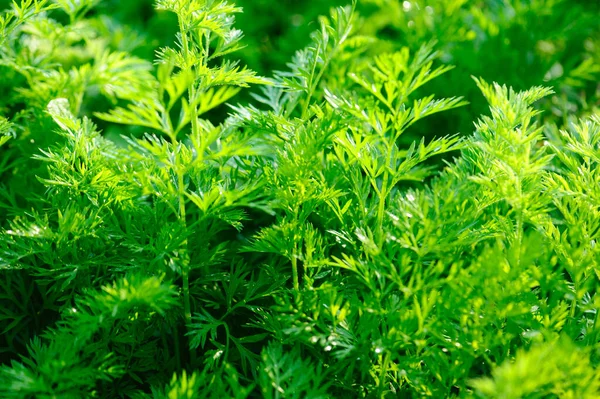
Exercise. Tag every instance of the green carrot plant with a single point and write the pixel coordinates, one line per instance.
(303, 245)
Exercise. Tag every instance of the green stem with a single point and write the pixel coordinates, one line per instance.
(295, 268)
(519, 222)
(295, 253)
(311, 83)
(314, 80)
(382, 375)
(381, 208)
(183, 251)
(385, 190)
(185, 259)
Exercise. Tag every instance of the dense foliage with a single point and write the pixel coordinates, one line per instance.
(365, 216)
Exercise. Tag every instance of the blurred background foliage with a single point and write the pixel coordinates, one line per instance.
(520, 43)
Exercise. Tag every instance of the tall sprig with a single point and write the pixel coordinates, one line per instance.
(206, 33)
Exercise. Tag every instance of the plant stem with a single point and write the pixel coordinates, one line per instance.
(183, 251)
(381, 207)
(382, 375)
(519, 221)
(184, 257)
(385, 190)
(295, 254)
(295, 268)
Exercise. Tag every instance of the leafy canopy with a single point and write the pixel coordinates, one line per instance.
(182, 227)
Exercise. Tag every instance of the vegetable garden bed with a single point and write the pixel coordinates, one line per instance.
(366, 215)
